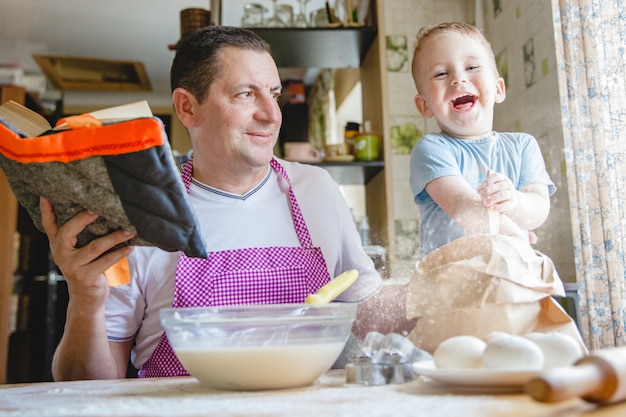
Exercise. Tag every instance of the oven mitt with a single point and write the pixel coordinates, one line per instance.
(123, 171)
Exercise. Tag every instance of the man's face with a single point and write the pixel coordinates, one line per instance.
(458, 85)
(240, 118)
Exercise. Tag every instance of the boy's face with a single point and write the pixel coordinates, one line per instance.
(458, 85)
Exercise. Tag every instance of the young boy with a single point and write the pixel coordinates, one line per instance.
(466, 171)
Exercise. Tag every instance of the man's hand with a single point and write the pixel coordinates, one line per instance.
(83, 268)
(84, 351)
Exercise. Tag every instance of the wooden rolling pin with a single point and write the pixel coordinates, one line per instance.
(599, 377)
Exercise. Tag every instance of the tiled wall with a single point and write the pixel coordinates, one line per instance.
(522, 37)
(522, 31)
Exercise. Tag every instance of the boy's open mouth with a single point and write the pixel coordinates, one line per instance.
(464, 102)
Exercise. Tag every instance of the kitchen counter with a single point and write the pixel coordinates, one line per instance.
(328, 396)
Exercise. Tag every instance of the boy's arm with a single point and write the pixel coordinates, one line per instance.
(464, 205)
(533, 206)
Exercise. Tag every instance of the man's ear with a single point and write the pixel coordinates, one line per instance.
(185, 105)
(500, 90)
(422, 106)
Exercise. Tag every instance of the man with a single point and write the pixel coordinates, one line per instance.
(275, 231)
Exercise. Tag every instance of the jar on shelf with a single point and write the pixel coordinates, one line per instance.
(366, 144)
(350, 133)
(253, 15)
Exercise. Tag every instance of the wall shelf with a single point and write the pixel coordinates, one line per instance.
(319, 47)
(353, 173)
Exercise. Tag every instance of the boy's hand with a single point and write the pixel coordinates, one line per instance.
(498, 193)
(528, 207)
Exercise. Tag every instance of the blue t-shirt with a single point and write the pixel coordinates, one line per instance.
(516, 155)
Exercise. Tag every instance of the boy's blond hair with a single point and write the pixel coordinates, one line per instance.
(465, 29)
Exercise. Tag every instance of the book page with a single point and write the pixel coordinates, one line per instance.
(28, 122)
(123, 112)
(118, 113)
(32, 124)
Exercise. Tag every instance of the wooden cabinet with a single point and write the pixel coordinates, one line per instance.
(347, 48)
(379, 192)
(8, 226)
(29, 292)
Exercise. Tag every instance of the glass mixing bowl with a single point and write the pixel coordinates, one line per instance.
(253, 347)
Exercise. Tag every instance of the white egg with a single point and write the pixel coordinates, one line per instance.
(459, 352)
(559, 349)
(511, 352)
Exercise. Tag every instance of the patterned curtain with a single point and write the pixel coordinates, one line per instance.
(591, 60)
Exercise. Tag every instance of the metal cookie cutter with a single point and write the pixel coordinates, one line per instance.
(388, 359)
(363, 371)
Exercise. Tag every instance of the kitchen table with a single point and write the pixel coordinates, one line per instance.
(328, 396)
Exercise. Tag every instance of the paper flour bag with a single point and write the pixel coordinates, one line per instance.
(484, 283)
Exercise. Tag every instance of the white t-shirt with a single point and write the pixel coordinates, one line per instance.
(261, 218)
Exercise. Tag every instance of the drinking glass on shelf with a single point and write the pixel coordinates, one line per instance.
(300, 21)
(285, 13)
(274, 21)
(253, 15)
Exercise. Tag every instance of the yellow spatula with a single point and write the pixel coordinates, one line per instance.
(330, 291)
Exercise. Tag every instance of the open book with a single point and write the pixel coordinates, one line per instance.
(32, 124)
(115, 162)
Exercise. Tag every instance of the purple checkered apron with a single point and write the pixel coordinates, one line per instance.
(274, 275)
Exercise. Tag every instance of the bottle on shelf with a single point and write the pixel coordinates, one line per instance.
(364, 231)
(350, 133)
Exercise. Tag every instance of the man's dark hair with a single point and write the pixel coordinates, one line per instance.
(197, 61)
